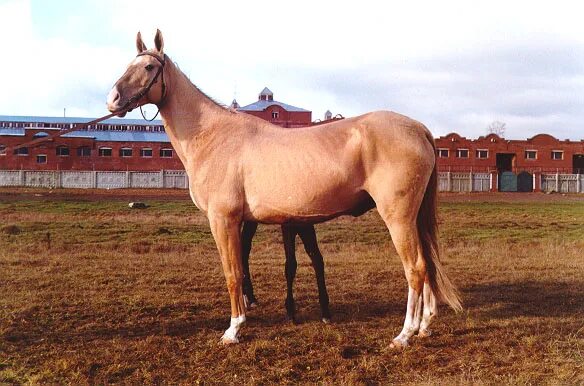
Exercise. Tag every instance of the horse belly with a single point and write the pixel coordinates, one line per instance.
(305, 206)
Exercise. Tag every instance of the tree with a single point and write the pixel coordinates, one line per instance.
(497, 127)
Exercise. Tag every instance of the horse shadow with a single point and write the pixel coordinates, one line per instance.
(524, 298)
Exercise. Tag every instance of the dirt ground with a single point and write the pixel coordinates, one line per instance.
(93, 292)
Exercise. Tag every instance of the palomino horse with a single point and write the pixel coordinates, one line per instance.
(308, 236)
(242, 168)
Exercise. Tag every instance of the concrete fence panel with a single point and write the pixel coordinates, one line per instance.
(77, 179)
(11, 178)
(111, 180)
(144, 179)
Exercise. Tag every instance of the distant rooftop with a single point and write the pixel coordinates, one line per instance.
(67, 120)
(112, 136)
(265, 100)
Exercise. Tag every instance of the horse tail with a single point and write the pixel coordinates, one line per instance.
(427, 224)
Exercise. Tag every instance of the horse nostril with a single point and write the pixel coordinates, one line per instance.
(113, 97)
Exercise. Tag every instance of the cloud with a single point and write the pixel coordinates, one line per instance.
(454, 65)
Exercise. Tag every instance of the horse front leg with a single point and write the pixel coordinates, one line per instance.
(249, 230)
(226, 231)
(308, 236)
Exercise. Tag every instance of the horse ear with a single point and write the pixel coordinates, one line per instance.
(140, 46)
(159, 41)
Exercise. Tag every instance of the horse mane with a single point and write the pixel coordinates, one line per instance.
(215, 102)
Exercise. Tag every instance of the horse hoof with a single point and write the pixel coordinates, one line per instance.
(326, 320)
(250, 302)
(398, 344)
(424, 333)
(225, 341)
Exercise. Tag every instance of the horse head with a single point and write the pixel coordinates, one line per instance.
(143, 81)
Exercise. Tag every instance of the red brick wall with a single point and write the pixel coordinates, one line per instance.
(285, 118)
(543, 144)
(10, 161)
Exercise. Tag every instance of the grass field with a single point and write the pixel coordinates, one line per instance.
(94, 292)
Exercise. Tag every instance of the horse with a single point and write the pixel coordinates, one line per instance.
(242, 168)
(289, 232)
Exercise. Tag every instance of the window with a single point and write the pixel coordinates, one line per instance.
(530, 154)
(166, 153)
(41, 159)
(2, 149)
(146, 152)
(443, 153)
(40, 134)
(557, 154)
(462, 153)
(21, 151)
(62, 151)
(274, 115)
(125, 152)
(83, 151)
(482, 153)
(105, 151)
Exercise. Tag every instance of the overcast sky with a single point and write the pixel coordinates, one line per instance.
(453, 65)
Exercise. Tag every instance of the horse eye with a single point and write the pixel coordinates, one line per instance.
(149, 67)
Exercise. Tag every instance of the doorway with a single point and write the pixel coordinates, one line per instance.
(578, 164)
(507, 180)
(505, 162)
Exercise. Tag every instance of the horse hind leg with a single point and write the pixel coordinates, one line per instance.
(308, 236)
(429, 312)
(291, 265)
(247, 234)
(405, 238)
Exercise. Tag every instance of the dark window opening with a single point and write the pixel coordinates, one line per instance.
(83, 151)
(62, 151)
(166, 153)
(125, 152)
(462, 153)
(105, 151)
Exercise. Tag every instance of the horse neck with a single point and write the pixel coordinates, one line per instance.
(186, 112)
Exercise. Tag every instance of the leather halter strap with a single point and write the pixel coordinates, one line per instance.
(160, 73)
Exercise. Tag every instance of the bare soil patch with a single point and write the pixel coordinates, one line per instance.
(115, 295)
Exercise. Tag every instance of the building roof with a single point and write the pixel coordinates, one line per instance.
(101, 136)
(266, 91)
(110, 121)
(120, 136)
(261, 105)
(18, 132)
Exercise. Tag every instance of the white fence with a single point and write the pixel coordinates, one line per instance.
(177, 179)
(482, 182)
(94, 179)
(562, 183)
(464, 182)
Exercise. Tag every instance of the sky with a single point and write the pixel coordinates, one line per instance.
(456, 66)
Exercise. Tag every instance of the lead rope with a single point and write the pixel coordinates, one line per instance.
(126, 108)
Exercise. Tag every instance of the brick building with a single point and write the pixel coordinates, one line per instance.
(278, 113)
(133, 144)
(114, 144)
(541, 153)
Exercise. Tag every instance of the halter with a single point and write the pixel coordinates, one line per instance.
(145, 91)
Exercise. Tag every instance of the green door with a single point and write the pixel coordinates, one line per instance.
(525, 182)
(508, 182)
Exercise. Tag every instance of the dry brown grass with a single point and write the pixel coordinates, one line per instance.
(114, 295)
